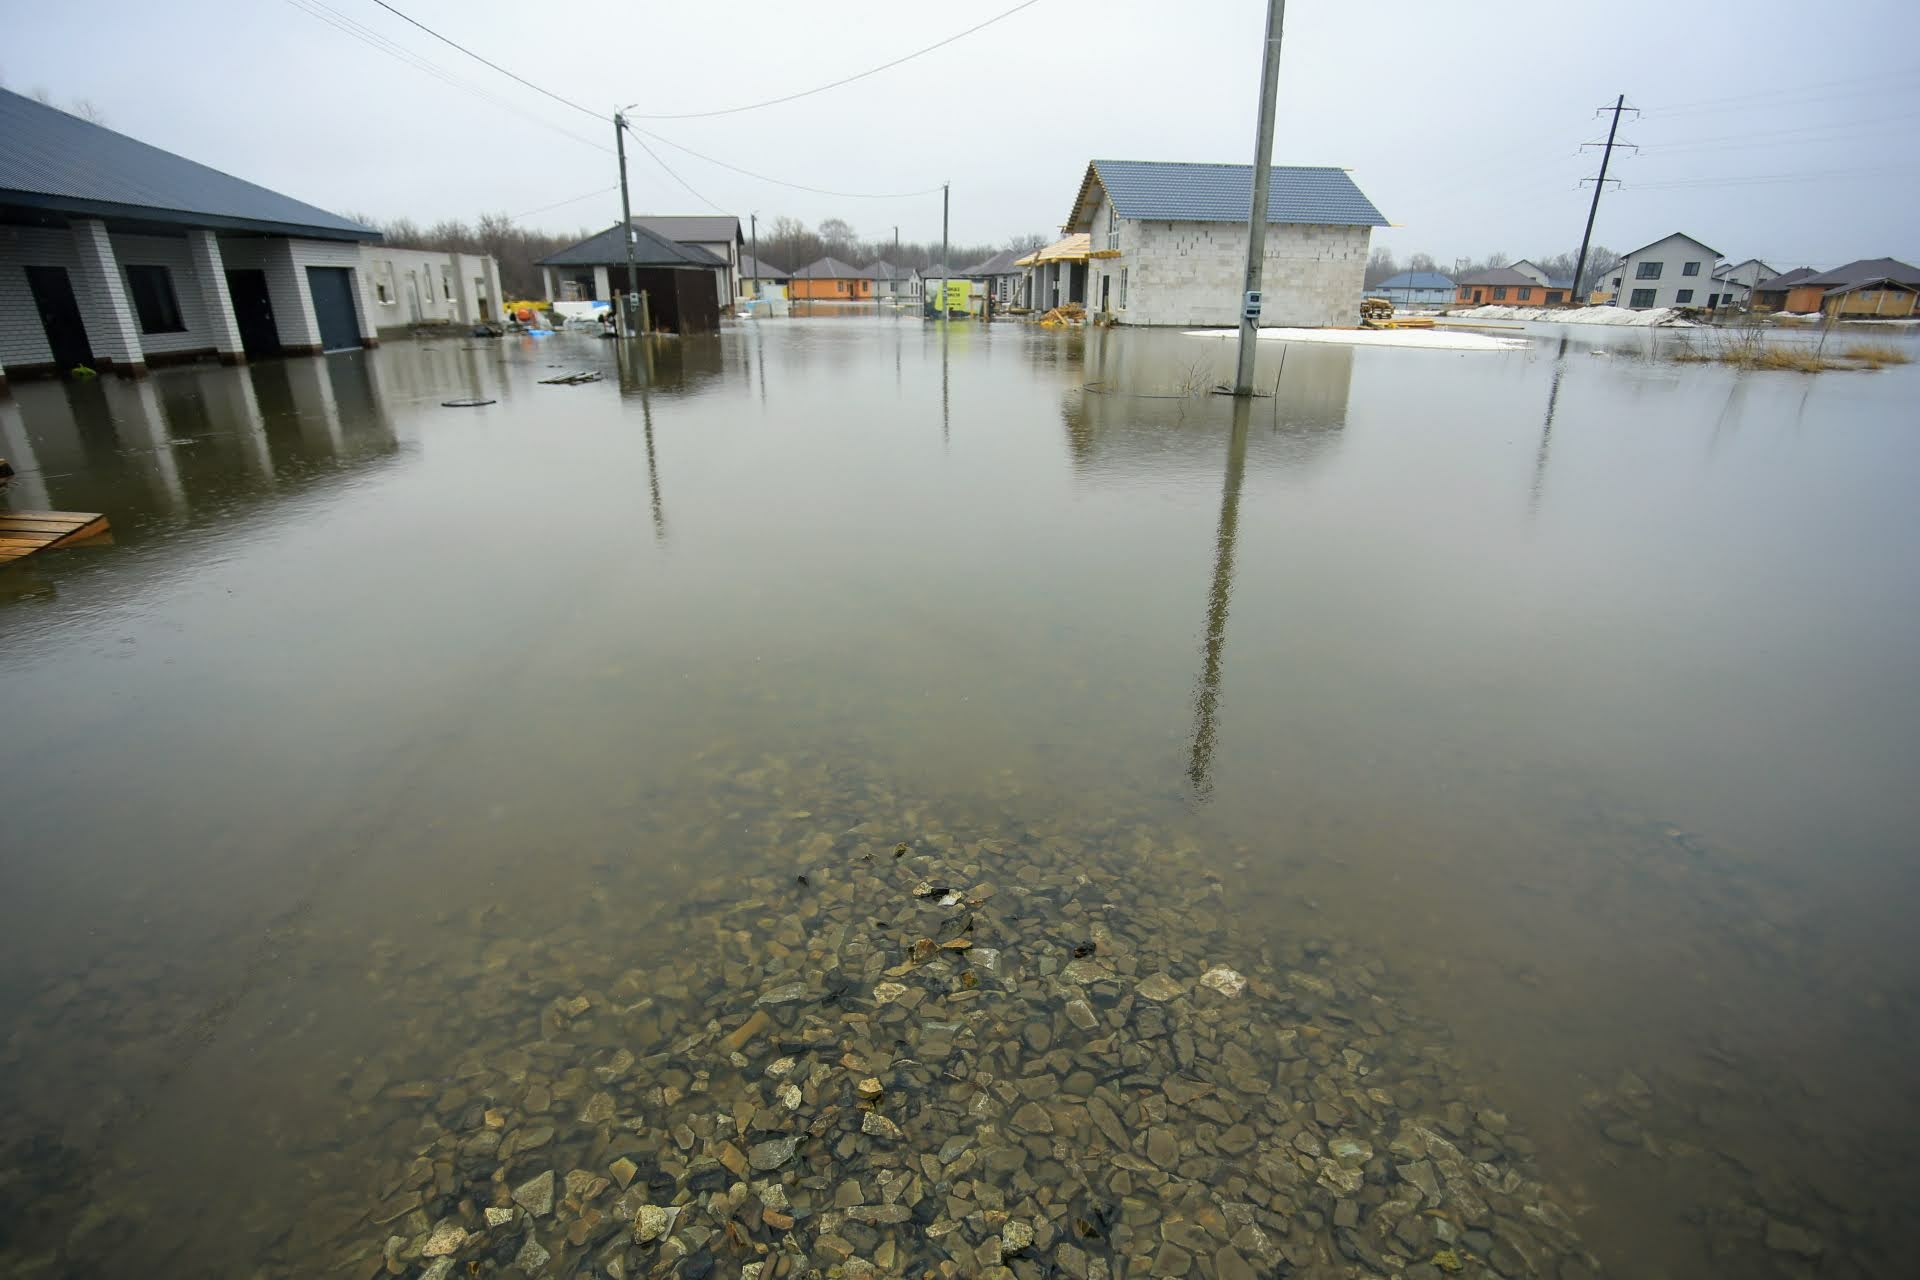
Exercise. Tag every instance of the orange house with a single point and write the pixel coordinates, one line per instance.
(830, 280)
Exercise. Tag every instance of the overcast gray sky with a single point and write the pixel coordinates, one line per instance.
(1790, 128)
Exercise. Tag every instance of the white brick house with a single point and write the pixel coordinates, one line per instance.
(117, 255)
(1673, 271)
(425, 286)
(1169, 243)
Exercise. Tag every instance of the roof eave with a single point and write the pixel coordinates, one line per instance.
(181, 217)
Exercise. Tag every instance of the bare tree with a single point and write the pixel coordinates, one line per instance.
(1380, 265)
(1422, 262)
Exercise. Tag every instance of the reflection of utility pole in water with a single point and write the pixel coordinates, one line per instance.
(638, 377)
(944, 423)
(1546, 431)
(1206, 694)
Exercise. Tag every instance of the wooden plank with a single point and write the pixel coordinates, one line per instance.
(24, 532)
(92, 529)
(67, 517)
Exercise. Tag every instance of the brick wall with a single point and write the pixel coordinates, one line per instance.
(177, 258)
(23, 341)
(1191, 273)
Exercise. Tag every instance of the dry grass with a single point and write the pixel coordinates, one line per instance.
(1749, 349)
(1875, 355)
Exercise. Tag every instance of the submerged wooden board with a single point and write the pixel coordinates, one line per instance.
(24, 532)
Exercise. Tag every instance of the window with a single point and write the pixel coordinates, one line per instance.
(1123, 288)
(1641, 298)
(1500, 293)
(1648, 271)
(1683, 297)
(1113, 227)
(840, 285)
(1526, 293)
(1554, 295)
(1689, 268)
(446, 286)
(154, 300)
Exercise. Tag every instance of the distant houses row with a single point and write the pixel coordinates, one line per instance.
(1678, 271)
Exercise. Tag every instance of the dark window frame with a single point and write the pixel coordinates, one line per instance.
(1642, 297)
(1499, 293)
(1648, 270)
(155, 303)
(1689, 268)
(1525, 294)
(1683, 298)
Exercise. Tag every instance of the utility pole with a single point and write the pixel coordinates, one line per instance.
(943, 252)
(753, 220)
(1257, 212)
(1599, 184)
(626, 223)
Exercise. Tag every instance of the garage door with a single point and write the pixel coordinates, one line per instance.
(332, 289)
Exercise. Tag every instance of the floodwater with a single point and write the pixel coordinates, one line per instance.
(1571, 693)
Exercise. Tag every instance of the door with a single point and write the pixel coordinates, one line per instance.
(1477, 295)
(1105, 281)
(332, 289)
(253, 312)
(60, 316)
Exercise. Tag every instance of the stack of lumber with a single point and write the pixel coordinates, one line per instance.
(1070, 314)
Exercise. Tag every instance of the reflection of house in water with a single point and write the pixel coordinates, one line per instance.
(1146, 404)
(195, 444)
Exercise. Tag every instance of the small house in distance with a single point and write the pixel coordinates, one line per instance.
(1000, 275)
(677, 279)
(830, 280)
(719, 235)
(1870, 288)
(1505, 286)
(1415, 289)
(1733, 284)
(757, 277)
(1169, 242)
(1673, 271)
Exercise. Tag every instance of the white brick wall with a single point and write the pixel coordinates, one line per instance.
(1191, 273)
(1672, 254)
(417, 282)
(23, 341)
(112, 330)
(177, 258)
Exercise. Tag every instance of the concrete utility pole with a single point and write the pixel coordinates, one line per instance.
(753, 220)
(1257, 214)
(943, 252)
(1599, 185)
(626, 223)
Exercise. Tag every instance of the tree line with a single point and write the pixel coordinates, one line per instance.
(788, 243)
(1559, 266)
(517, 249)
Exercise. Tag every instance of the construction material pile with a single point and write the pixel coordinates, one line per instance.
(1061, 317)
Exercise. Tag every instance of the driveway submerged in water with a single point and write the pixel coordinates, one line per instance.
(416, 802)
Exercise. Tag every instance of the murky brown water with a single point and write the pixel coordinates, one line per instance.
(1555, 711)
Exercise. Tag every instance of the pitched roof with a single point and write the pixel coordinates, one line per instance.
(51, 160)
(1000, 264)
(1670, 235)
(881, 270)
(1498, 275)
(828, 269)
(751, 268)
(1181, 192)
(1877, 282)
(1867, 269)
(1786, 281)
(1416, 280)
(695, 228)
(650, 249)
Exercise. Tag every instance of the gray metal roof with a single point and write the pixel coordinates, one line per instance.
(650, 249)
(754, 268)
(1669, 236)
(1499, 275)
(61, 163)
(829, 269)
(1867, 269)
(1781, 283)
(1416, 280)
(881, 270)
(696, 228)
(1000, 264)
(1178, 192)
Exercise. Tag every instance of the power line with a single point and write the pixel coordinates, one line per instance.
(562, 203)
(655, 156)
(322, 12)
(565, 102)
(779, 182)
(807, 93)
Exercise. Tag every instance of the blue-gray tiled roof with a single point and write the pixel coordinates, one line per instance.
(51, 160)
(650, 249)
(1416, 280)
(1174, 192)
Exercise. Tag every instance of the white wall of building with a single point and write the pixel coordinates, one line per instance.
(1191, 273)
(1658, 275)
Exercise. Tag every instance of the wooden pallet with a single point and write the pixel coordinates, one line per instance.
(24, 532)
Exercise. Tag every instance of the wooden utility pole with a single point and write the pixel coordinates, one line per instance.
(943, 251)
(626, 223)
(753, 220)
(1257, 212)
(1599, 185)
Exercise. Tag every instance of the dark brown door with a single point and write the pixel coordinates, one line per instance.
(253, 312)
(60, 316)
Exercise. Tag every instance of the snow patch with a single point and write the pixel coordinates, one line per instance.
(1663, 317)
(1423, 339)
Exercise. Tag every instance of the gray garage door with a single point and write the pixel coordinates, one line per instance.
(332, 289)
